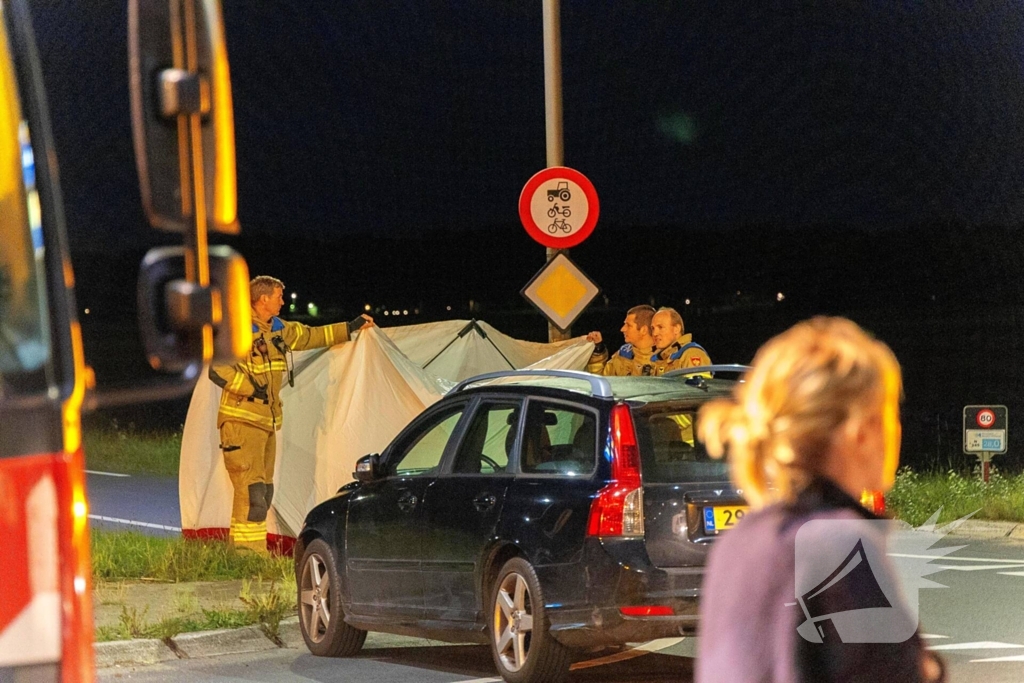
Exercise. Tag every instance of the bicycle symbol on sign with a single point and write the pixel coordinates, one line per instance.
(559, 224)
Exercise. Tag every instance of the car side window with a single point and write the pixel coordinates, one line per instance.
(558, 439)
(489, 440)
(423, 454)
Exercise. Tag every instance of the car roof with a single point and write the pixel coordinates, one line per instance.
(639, 389)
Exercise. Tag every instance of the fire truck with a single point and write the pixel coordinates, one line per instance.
(193, 306)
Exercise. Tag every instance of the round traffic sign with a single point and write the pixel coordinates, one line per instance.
(985, 418)
(558, 207)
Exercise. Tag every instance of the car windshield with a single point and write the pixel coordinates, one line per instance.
(668, 451)
(24, 344)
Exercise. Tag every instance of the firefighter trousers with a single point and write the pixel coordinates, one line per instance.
(249, 454)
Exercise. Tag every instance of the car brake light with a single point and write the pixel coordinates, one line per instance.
(618, 508)
(647, 611)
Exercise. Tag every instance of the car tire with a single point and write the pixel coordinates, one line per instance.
(523, 648)
(321, 618)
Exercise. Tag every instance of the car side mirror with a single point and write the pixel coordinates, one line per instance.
(367, 468)
(173, 312)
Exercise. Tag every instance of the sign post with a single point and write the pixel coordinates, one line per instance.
(985, 434)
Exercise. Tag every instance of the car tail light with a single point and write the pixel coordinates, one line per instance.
(618, 508)
(873, 501)
(647, 611)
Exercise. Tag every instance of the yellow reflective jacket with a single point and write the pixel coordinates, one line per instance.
(682, 353)
(252, 388)
(628, 360)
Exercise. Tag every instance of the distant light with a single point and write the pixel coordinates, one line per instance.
(449, 308)
(738, 292)
(780, 296)
(395, 312)
(687, 302)
(292, 308)
(387, 313)
(87, 311)
(309, 305)
(416, 311)
(366, 307)
(313, 310)
(405, 312)
(294, 295)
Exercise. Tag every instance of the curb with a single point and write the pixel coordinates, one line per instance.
(143, 651)
(982, 529)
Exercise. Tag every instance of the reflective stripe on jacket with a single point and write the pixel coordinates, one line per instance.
(252, 388)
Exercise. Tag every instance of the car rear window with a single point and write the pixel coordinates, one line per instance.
(669, 453)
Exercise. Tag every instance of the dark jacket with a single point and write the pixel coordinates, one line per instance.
(750, 614)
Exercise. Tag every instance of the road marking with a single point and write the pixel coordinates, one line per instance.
(1014, 658)
(978, 568)
(981, 645)
(107, 474)
(132, 522)
(947, 558)
(929, 636)
(632, 653)
(1012, 573)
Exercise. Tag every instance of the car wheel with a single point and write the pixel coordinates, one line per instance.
(523, 648)
(320, 615)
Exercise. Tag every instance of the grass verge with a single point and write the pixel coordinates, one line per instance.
(916, 496)
(114, 448)
(266, 604)
(130, 555)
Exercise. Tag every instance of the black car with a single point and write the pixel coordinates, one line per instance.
(545, 513)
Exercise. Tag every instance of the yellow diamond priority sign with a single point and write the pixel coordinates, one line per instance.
(561, 291)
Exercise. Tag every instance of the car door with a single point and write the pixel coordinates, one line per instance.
(462, 507)
(383, 532)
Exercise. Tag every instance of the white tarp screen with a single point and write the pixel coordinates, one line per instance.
(348, 401)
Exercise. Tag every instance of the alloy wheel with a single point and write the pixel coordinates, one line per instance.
(315, 598)
(513, 621)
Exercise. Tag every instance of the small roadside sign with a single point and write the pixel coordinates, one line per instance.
(561, 291)
(985, 429)
(558, 207)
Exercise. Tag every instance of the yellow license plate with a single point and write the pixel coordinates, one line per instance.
(721, 517)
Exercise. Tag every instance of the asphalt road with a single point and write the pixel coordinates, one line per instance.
(138, 503)
(976, 622)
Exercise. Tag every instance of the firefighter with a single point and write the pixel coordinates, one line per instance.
(251, 410)
(673, 349)
(633, 357)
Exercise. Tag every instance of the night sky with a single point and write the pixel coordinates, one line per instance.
(394, 117)
(866, 159)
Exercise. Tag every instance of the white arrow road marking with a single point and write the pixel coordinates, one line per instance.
(981, 645)
(948, 558)
(631, 653)
(1014, 658)
(107, 474)
(978, 568)
(132, 522)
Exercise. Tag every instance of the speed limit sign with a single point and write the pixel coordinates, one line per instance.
(985, 430)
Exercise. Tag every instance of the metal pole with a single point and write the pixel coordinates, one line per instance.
(553, 109)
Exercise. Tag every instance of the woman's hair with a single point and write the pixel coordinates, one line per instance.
(778, 426)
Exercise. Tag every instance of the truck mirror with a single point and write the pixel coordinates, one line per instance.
(182, 120)
(183, 324)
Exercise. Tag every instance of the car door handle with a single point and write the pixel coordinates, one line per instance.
(484, 502)
(407, 502)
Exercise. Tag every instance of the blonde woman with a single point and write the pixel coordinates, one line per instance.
(815, 423)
